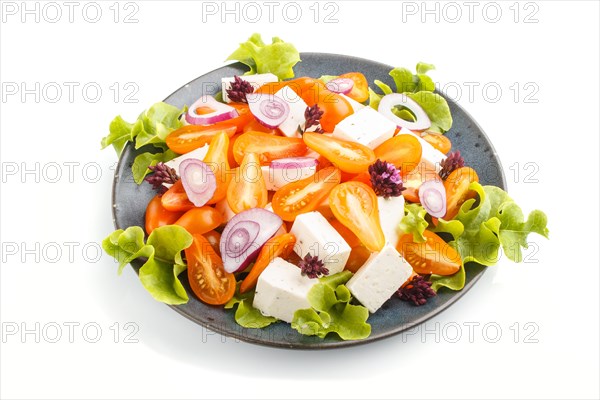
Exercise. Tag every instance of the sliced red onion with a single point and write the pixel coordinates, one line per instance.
(198, 181)
(245, 235)
(433, 197)
(340, 85)
(294, 162)
(269, 110)
(220, 111)
(388, 102)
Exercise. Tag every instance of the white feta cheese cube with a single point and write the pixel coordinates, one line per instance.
(255, 80)
(391, 212)
(276, 178)
(281, 290)
(295, 119)
(430, 154)
(377, 280)
(315, 235)
(366, 126)
(353, 103)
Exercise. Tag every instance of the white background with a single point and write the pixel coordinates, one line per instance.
(557, 53)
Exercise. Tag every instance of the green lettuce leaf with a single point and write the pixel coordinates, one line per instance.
(437, 109)
(414, 221)
(332, 312)
(152, 127)
(277, 58)
(119, 134)
(245, 314)
(145, 160)
(418, 87)
(162, 252)
(482, 226)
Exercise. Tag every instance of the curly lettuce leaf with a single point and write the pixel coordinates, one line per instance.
(418, 87)
(332, 312)
(277, 58)
(163, 263)
(482, 227)
(245, 314)
(145, 160)
(151, 127)
(437, 109)
(414, 221)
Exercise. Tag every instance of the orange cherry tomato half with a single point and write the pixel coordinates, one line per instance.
(175, 199)
(247, 189)
(404, 151)
(438, 141)
(214, 238)
(346, 233)
(200, 220)
(216, 159)
(348, 156)
(457, 189)
(354, 204)
(360, 90)
(256, 126)
(208, 279)
(268, 147)
(434, 256)
(278, 246)
(192, 137)
(304, 195)
(415, 178)
(157, 215)
(358, 257)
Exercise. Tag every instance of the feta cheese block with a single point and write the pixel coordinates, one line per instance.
(315, 235)
(276, 178)
(391, 212)
(379, 278)
(255, 80)
(353, 103)
(295, 119)
(366, 126)
(281, 290)
(430, 154)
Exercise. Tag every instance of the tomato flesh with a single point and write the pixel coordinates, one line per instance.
(354, 204)
(457, 189)
(348, 156)
(217, 159)
(248, 188)
(157, 215)
(360, 90)
(175, 199)
(404, 151)
(434, 256)
(305, 195)
(200, 220)
(192, 137)
(208, 279)
(268, 147)
(438, 141)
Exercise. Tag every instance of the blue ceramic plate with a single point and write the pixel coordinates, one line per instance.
(130, 202)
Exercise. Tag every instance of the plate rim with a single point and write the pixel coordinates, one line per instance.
(136, 264)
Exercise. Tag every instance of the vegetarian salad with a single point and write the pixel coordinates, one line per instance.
(307, 200)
